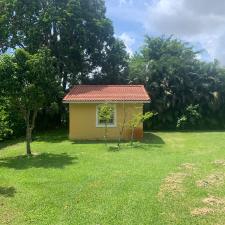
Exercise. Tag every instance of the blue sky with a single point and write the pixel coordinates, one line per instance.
(127, 21)
(200, 22)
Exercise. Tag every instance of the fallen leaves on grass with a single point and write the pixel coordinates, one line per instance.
(213, 180)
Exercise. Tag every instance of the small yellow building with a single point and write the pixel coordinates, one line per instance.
(84, 102)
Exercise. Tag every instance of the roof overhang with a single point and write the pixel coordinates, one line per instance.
(92, 94)
(108, 101)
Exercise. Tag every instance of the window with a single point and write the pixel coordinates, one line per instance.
(101, 122)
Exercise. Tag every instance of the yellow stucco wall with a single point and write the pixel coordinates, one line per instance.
(82, 121)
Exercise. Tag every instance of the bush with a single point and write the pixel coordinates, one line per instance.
(11, 122)
(190, 118)
(4, 124)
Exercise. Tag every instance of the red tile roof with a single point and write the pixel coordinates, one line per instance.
(103, 93)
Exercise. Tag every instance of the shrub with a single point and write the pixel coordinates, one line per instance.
(190, 118)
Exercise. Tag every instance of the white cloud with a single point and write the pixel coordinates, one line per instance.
(196, 21)
(125, 2)
(128, 41)
(200, 21)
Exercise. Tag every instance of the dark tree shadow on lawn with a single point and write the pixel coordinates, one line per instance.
(8, 143)
(75, 142)
(44, 160)
(150, 141)
(150, 138)
(7, 191)
(54, 136)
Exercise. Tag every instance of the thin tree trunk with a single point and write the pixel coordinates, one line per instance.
(28, 133)
(28, 141)
(29, 130)
(132, 136)
(106, 135)
(123, 125)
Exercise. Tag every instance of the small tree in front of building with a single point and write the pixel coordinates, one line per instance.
(105, 114)
(122, 125)
(136, 120)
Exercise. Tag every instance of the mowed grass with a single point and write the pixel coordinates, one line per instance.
(170, 178)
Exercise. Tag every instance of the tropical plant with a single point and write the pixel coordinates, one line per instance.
(175, 78)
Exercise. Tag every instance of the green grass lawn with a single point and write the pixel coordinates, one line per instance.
(170, 178)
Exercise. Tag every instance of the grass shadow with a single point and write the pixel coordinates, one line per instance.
(150, 138)
(150, 141)
(8, 143)
(7, 191)
(44, 160)
(52, 136)
(95, 142)
(55, 136)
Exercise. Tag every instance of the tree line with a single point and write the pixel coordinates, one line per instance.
(187, 93)
(47, 46)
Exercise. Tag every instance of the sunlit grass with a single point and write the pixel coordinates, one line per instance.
(155, 182)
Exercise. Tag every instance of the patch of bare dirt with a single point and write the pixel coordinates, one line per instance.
(6, 217)
(212, 205)
(220, 162)
(202, 211)
(212, 180)
(189, 166)
(214, 201)
(173, 184)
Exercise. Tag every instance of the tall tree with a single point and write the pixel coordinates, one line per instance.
(176, 78)
(76, 31)
(114, 69)
(29, 82)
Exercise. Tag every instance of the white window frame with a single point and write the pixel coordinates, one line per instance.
(114, 114)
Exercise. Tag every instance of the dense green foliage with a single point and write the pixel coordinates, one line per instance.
(76, 31)
(4, 123)
(186, 92)
(177, 79)
(82, 183)
(190, 118)
(12, 123)
(78, 35)
(28, 81)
